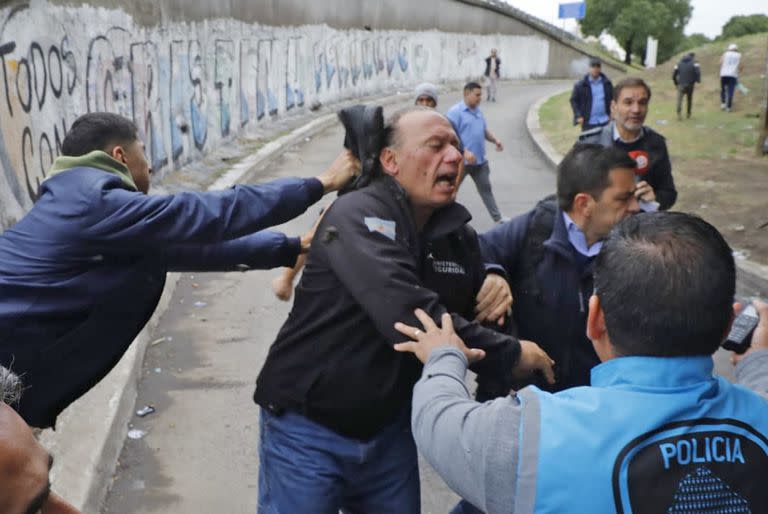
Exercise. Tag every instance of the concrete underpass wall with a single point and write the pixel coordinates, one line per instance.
(194, 74)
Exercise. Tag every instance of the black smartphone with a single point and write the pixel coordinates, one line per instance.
(740, 337)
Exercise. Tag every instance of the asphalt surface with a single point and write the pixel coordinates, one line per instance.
(197, 453)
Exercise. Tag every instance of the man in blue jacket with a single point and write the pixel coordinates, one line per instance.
(656, 431)
(548, 254)
(591, 98)
(82, 272)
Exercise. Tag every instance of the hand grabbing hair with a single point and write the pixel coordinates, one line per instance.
(11, 387)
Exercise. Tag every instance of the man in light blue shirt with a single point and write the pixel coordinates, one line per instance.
(470, 125)
(591, 98)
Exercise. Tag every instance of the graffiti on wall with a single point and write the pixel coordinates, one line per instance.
(189, 86)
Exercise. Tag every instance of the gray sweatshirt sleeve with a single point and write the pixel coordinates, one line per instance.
(473, 446)
(752, 372)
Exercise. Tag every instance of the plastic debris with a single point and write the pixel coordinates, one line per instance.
(159, 340)
(200, 304)
(145, 411)
(662, 122)
(740, 255)
(136, 434)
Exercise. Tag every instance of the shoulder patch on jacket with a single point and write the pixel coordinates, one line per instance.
(387, 228)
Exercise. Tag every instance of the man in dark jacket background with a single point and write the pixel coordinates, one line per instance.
(685, 75)
(655, 185)
(334, 394)
(591, 98)
(82, 272)
(493, 72)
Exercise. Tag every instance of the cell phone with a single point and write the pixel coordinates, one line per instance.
(740, 337)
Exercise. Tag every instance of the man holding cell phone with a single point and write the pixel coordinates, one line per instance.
(655, 185)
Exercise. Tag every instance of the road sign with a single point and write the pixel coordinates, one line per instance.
(573, 10)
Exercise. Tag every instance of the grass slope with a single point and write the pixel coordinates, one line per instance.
(715, 167)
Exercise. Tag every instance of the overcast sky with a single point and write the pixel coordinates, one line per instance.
(708, 17)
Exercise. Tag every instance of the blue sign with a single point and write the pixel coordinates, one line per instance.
(574, 10)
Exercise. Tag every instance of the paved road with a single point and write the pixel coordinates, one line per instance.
(199, 455)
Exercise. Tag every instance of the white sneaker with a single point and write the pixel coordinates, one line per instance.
(722, 107)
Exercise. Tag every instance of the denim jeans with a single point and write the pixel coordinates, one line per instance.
(307, 468)
(727, 87)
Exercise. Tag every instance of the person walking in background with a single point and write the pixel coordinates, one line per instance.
(469, 123)
(492, 66)
(730, 66)
(686, 74)
(591, 98)
(426, 95)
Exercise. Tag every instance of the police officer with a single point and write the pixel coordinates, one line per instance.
(655, 432)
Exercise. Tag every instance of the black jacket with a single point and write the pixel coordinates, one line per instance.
(686, 72)
(551, 284)
(655, 168)
(581, 98)
(333, 360)
(488, 67)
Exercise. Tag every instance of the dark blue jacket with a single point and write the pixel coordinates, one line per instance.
(551, 285)
(581, 98)
(83, 271)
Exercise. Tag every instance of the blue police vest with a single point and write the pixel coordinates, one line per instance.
(653, 435)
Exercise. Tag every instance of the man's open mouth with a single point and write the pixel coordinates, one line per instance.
(448, 177)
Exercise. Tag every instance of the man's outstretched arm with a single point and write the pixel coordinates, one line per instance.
(474, 447)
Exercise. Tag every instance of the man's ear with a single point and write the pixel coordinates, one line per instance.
(118, 153)
(582, 204)
(595, 319)
(388, 160)
(596, 331)
(613, 107)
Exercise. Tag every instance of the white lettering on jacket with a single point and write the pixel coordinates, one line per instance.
(696, 451)
(449, 267)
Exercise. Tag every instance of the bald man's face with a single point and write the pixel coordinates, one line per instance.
(24, 468)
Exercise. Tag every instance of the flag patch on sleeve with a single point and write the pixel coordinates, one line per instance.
(383, 227)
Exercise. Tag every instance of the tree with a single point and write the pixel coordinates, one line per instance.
(632, 21)
(739, 26)
(692, 41)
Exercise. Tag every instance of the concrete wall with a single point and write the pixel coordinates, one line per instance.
(194, 74)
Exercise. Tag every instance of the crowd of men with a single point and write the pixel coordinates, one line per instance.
(590, 321)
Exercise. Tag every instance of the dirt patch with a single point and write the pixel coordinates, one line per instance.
(732, 196)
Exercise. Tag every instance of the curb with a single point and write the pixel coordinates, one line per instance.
(89, 438)
(540, 140)
(753, 273)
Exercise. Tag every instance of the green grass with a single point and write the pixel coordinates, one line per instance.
(714, 162)
(711, 133)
